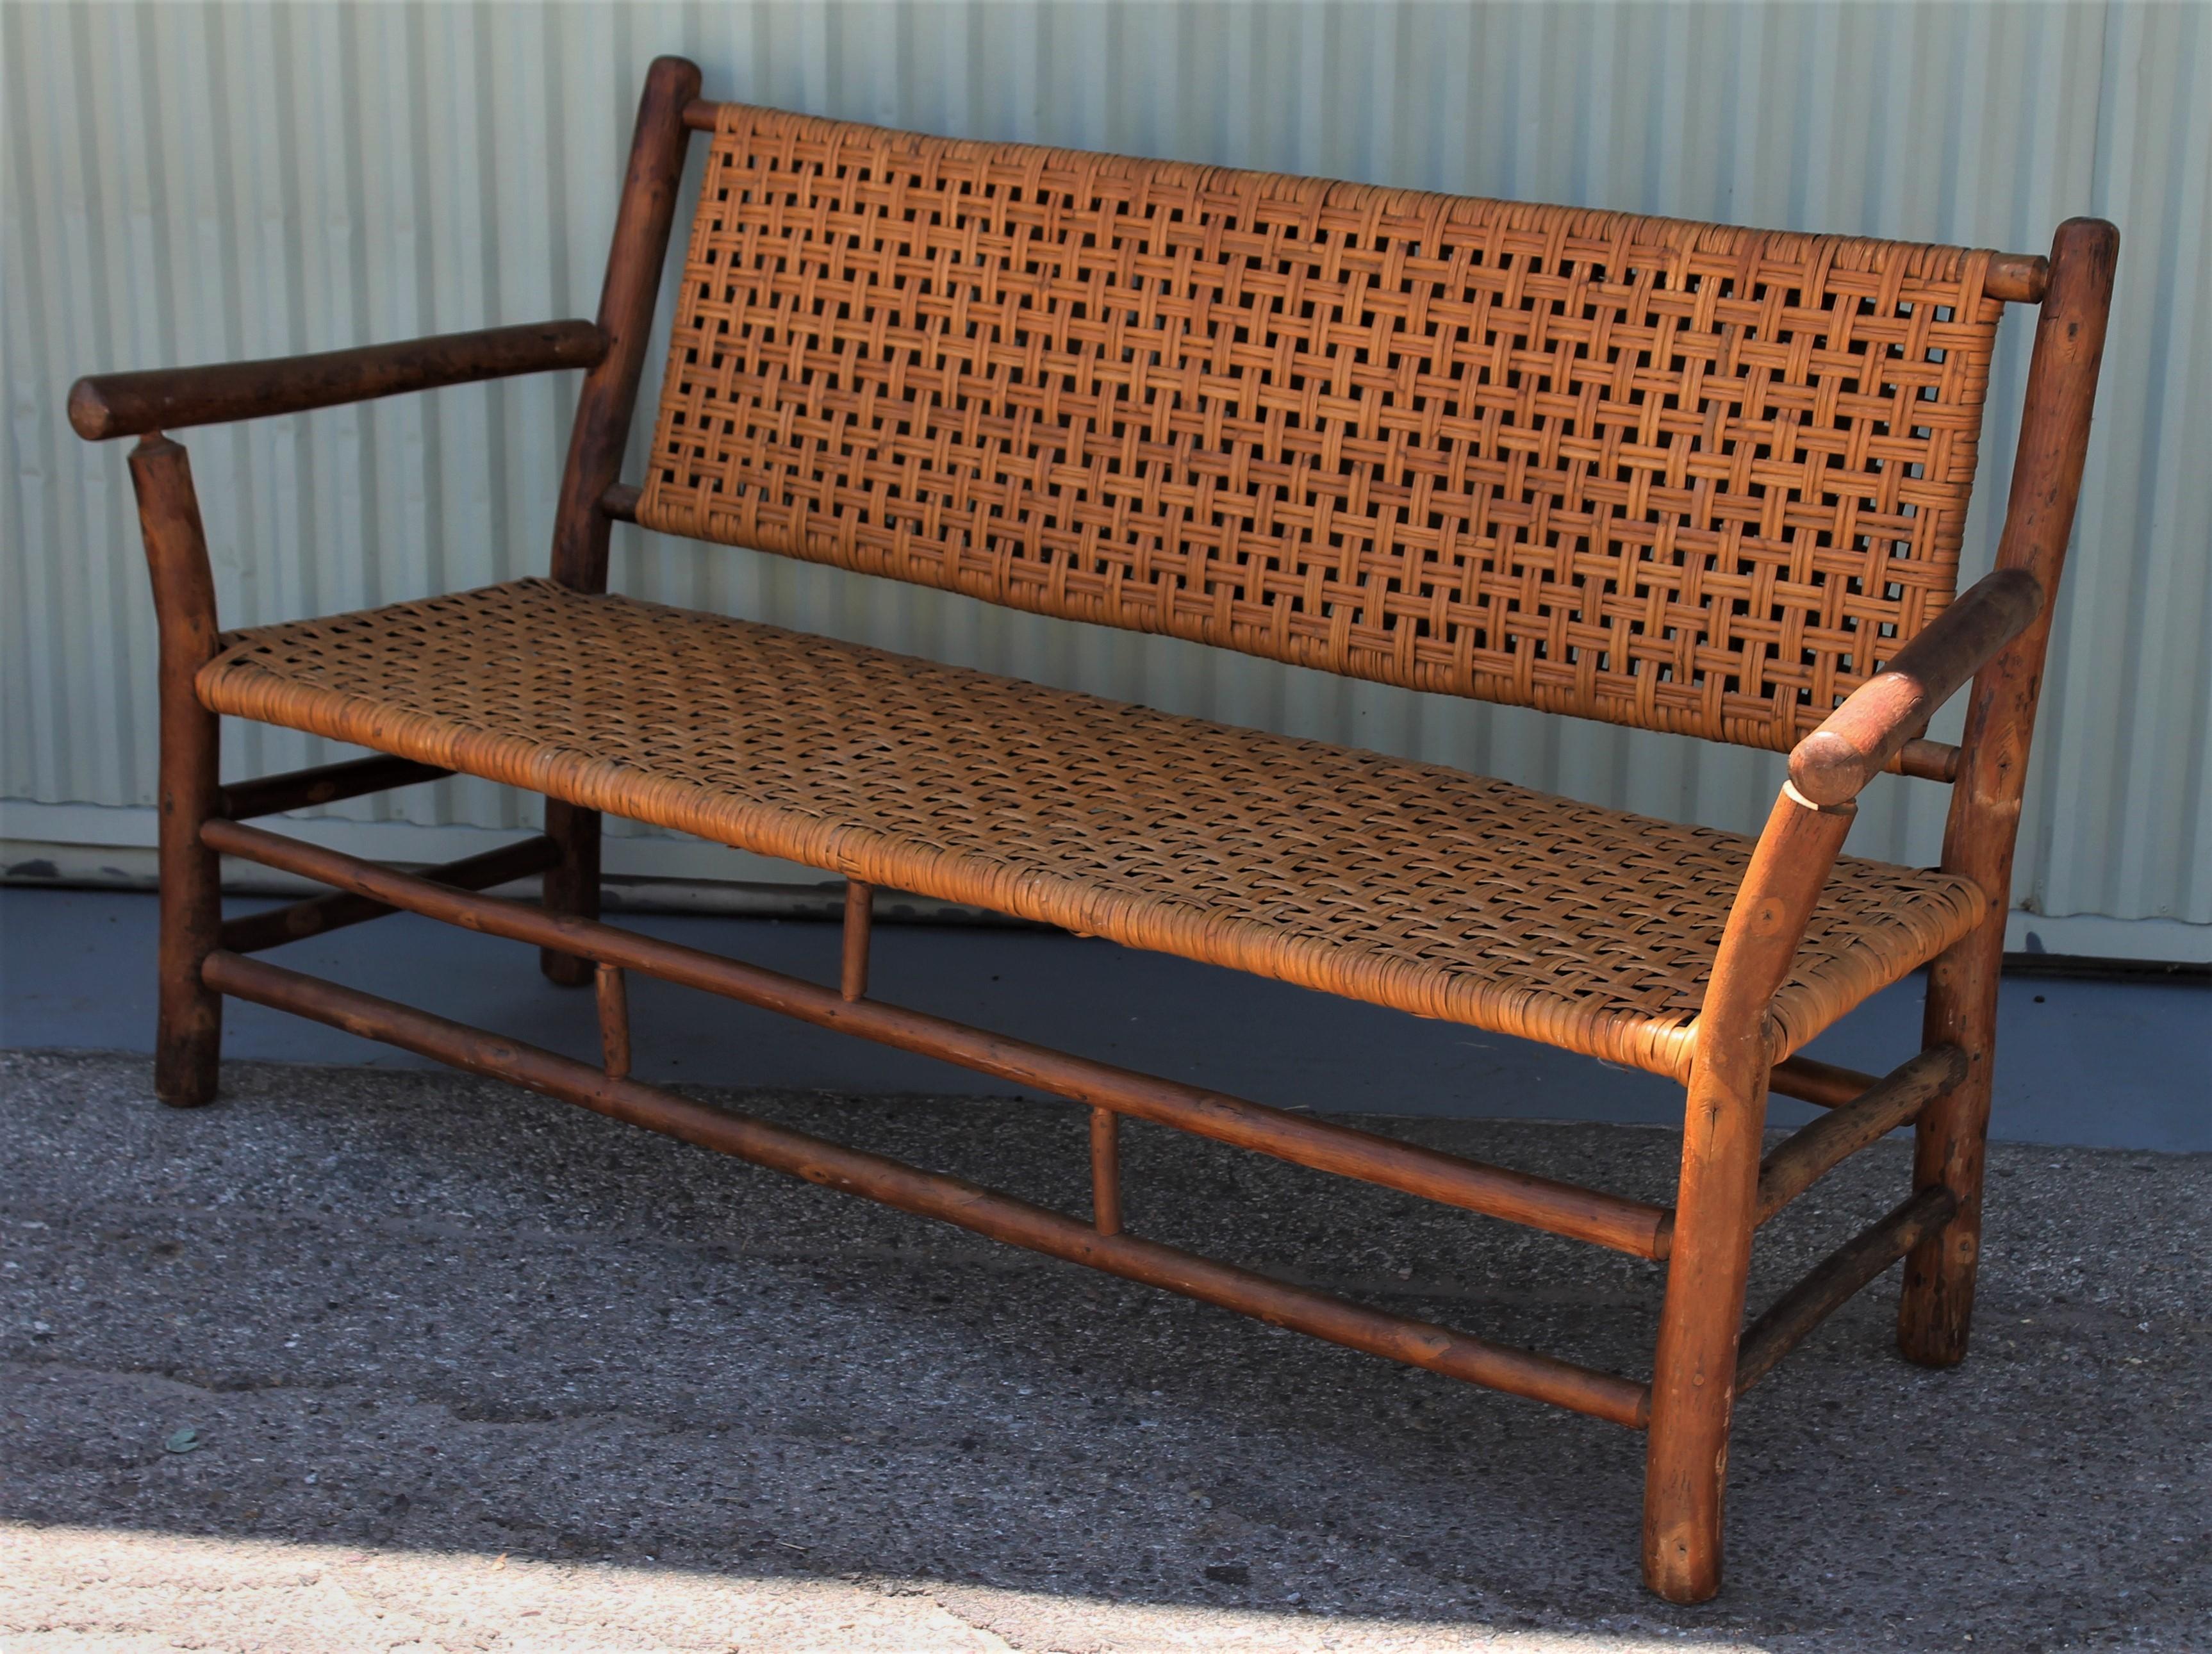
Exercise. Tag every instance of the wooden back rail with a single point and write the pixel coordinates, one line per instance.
(1402, 551)
(2017, 277)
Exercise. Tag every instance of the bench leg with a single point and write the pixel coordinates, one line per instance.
(1717, 1208)
(1982, 830)
(1937, 1307)
(188, 1026)
(1693, 1371)
(188, 1031)
(572, 886)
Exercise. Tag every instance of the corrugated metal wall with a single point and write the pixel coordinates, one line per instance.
(188, 182)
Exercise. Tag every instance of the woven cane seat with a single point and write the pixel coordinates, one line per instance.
(1405, 884)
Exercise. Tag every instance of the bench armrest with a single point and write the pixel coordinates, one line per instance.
(169, 399)
(1858, 740)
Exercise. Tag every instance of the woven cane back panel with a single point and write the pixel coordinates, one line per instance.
(1404, 883)
(1673, 475)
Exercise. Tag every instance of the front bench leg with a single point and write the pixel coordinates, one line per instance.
(188, 1029)
(1717, 1206)
(572, 885)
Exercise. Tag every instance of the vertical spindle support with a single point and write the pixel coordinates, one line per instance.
(859, 916)
(613, 991)
(1106, 1172)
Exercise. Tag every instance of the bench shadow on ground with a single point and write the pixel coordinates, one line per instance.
(424, 1312)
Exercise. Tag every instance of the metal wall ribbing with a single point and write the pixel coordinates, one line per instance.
(188, 181)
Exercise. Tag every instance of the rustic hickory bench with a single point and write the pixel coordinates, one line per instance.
(1676, 476)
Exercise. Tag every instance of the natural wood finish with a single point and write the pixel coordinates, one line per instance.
(1693, 1381)
(853, 962)
(603, 411)
(2017, 277)
(170, 398)
(1344, 871)
(613, 991)
(1929, 760)
(1822, 1084)
(1936, 1308)
(1811, 1153)
(634, 265)
(1833, 1282)
(572, 882)
(986, 1211)
(1860, 738)
(1105, 1171)
(1626, 1226)
(318, 915)
(1626, 468)
(327, 783)
(188, 1026)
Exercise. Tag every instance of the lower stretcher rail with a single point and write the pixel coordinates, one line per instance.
(1632, 1226)
(986, 1211)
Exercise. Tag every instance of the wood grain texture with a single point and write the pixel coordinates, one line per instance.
(170, 398)
(318, 915)
(1681, 477)
(860, 923)
(1937, 1309)
(1860, 738)
(1831, 1285)
(1826, 1085)
(326, 783)
(635, 260)
(613, 995)
(1106, 1172)
(572, 882)
(1693, 1367)
(986, 1211)
(1810, 1154)
(188, 1022)
(1632, 1226)
(603, 411)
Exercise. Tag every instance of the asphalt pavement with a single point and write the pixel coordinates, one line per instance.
(364, 1358)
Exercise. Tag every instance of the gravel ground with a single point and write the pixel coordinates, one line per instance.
(372, 1360)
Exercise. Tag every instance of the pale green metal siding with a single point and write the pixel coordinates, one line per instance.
(187, 182)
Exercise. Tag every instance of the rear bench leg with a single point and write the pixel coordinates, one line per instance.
(188, 1027)
(581, 524)
(1982, 830)
(1936, 1311)
(572, 885)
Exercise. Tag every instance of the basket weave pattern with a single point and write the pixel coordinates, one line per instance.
(1403, 883)
(1672, 475)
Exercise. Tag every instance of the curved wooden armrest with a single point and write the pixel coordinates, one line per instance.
(1860, 737)
(169, 399)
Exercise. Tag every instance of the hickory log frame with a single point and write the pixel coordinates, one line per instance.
(1994, 636)
(1636, 1227)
